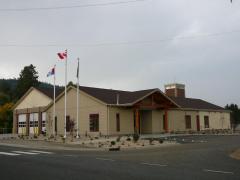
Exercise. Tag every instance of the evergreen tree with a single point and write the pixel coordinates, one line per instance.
(235, 115)
(5, 87)
(28, 77)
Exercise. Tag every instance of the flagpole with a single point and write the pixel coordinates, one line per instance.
(54, 100)
(65, 106)
(77, 100)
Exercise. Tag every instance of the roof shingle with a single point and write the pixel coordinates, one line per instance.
(49, 91)
(109, 96)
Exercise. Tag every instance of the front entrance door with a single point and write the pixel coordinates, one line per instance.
(198, 123)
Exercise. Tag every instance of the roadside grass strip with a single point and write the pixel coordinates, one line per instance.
(25, 152)
(217, 171)
(104, 159)
(9, 154)
(154, 164)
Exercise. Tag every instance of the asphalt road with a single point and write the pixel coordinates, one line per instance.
(204, 157)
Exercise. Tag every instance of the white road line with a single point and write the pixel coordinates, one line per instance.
(25, 152)
(153, 164)
(103, 159)
(42, 152)
(70, 155)
(216, 171)
(9, 154)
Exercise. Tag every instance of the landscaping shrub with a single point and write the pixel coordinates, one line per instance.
(118, 138)
(136, 137)
(113, 143)
(128, 139)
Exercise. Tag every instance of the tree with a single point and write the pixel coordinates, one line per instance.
(6, 115)
(5, 87)
(235, 115)
(4, 98)
(5, 92)
(28, 77)
(70, 83)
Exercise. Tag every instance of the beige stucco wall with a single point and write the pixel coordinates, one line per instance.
(177, 120)
(87, 105)
(34, 99)
(151, 121)
(126, 120)
(217, 120)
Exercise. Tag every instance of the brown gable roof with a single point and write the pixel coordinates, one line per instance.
(49, 91)
(190, 103)
(109, 96)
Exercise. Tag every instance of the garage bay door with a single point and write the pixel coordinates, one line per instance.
(22, 124)
(33, 123)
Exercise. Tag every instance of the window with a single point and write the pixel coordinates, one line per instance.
(206, 121)
(55, 124)
(21, 120)
(22, 124)
(68, 124)
(164, 126)
(118, 122)
(94, 122)
(188, 122)
(33, 122)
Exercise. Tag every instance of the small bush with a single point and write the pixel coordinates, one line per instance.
(118, 138)
(136, 137)
(113, 143)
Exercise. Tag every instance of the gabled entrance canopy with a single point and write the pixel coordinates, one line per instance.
(155, 100)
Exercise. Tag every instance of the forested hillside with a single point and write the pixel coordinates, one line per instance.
(12, 89)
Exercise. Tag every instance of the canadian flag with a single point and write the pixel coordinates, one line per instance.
(62, 55)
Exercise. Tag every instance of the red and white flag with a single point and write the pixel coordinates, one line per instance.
(62, 55)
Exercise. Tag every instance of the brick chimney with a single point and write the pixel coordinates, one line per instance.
(175, 90)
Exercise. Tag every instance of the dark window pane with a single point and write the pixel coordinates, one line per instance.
(68, 124)
(206, 121)
(94, 122)
(188, 122)
(118, 122)
(55, 123)
(164, 122)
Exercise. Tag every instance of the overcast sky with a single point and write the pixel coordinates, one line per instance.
(128, 46)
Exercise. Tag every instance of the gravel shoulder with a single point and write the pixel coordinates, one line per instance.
(236, 154)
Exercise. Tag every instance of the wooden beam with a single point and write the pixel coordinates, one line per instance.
(166, 121)
(137, 121)
(39, 122)
(28, 124)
